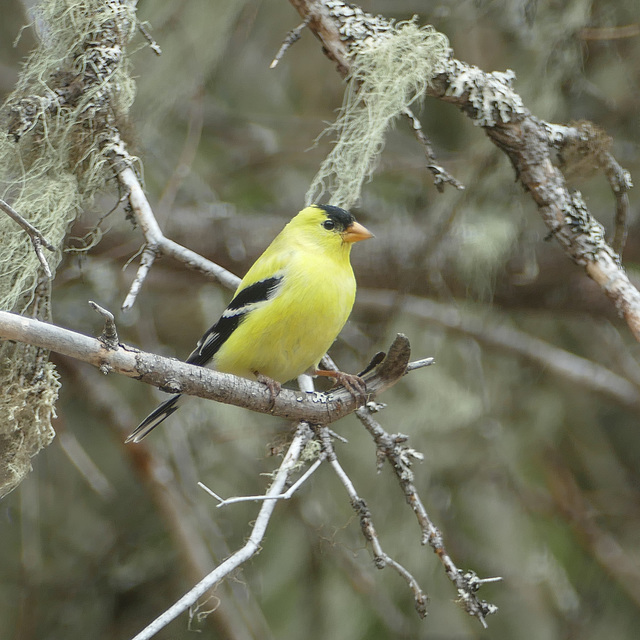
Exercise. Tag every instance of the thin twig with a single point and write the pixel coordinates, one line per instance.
(441, 176)
(609, 33)
(144, 30)
(85, 465)
(251, 548)
(393, 448)
(149, 255)
(620, 183)
(223, 502)
(419, 364)
(381, 559)
(37, 239)
(584, 147)
(187, 155)
(292, 37)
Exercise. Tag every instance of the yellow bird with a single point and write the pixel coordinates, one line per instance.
(288, 309)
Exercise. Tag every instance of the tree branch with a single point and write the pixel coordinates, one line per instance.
(36, 237)
(490, 101)
(238, 615)
(392, 447)
(156, 243)
(178, 377)
(381, 558)
(252, 546)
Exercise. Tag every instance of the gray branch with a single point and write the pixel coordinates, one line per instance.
(175, 376)
(37, 239)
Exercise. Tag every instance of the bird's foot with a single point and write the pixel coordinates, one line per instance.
(273, 385)
(355, 385)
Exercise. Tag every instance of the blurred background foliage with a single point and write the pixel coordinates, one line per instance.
(530, 475)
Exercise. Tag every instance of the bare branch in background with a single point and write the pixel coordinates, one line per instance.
(585, 373)
(380, 558)
(87, 468)
(573, 505)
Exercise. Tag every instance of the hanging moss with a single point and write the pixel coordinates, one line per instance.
(389, 73)
(58, 127)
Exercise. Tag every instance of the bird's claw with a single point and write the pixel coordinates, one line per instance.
(355, 385)
(273, 385)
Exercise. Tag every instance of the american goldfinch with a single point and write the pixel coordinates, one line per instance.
(288, 309)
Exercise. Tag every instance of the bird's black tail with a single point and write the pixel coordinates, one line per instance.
(154, 419)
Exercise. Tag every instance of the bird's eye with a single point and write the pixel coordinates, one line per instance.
(329, 225)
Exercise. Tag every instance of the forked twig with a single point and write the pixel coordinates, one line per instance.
(223, 502)
(156, 242)
(381, 558)
(252, 546)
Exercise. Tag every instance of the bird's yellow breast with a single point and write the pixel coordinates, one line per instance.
(290, 333)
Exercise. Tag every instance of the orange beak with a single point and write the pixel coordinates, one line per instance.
(356, 232)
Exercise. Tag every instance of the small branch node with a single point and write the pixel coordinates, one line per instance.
(109, 335)
(375, 407)
(467, 588)
(105, 369)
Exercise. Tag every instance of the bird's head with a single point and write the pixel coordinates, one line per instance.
(330, 226)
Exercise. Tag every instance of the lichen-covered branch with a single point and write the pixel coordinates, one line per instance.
(55, 130)
(490, 101)
(393, 448)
